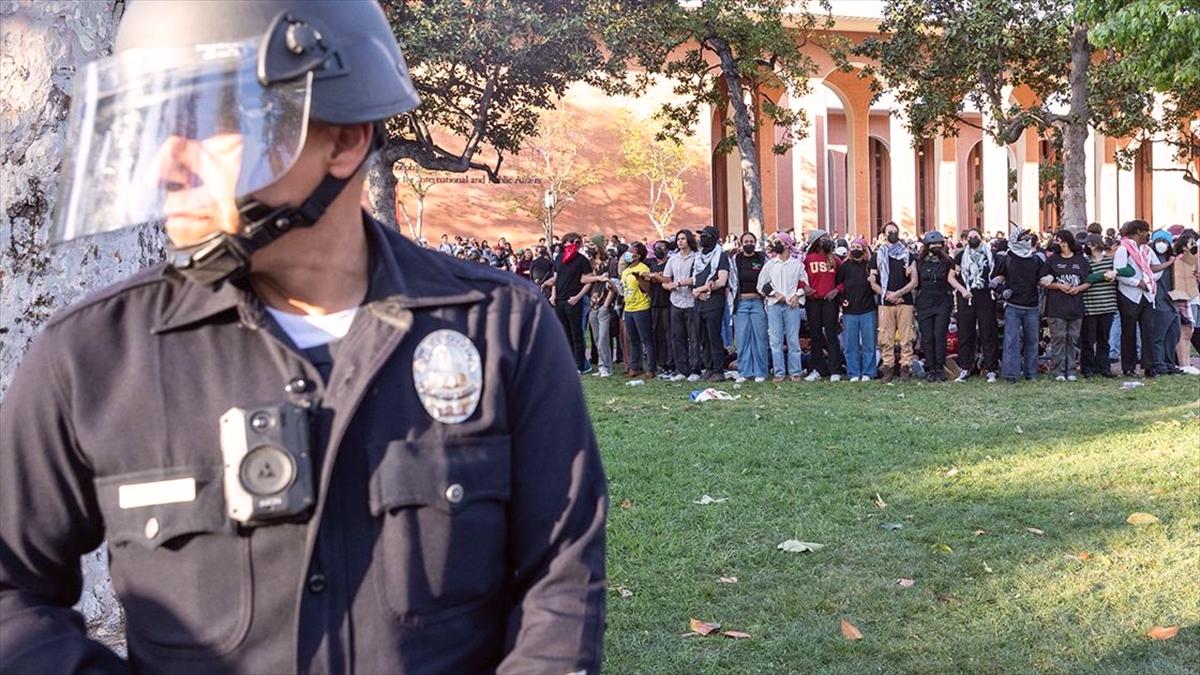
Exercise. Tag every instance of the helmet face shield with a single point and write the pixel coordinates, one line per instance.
(180, 133)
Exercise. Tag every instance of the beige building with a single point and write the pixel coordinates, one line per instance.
(856, 168)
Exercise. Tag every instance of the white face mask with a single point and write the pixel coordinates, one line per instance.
(1161, 246)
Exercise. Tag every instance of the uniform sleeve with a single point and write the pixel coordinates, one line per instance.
(557, 511)
(48, 519)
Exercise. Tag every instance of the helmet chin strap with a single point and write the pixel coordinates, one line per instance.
(226, 257)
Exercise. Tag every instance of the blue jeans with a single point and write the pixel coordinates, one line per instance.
(1020, 343)
(783, 323)
(860, 344)
(750, 331)
(637, 328)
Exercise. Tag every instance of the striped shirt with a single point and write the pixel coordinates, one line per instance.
(1101, 296)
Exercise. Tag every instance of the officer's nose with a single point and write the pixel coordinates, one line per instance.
(177, 159)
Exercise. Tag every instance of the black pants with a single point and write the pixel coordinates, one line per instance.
(977, 332)
(571, 318)
(660, 323)
(1093, 344)
(1137, 316)
(685, 336)
(823, 329)
(933, 324)
(710, 325)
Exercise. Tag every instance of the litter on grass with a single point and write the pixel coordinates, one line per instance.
(711, 394)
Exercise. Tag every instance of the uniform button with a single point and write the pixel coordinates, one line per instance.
(454, 493)
(316, 583)
(151, 530)
(298, 385)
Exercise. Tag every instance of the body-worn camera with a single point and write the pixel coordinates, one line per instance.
(268, 465)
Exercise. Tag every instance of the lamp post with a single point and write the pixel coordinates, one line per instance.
(549, 199)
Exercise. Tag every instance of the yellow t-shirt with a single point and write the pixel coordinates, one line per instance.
(636, 299)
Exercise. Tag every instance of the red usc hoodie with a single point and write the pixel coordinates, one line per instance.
(821, 273)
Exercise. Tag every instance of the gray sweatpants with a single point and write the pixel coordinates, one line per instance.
(1064, 345)
(601, 325)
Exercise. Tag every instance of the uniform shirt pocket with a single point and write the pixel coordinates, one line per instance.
(181, 569)
(441, 510)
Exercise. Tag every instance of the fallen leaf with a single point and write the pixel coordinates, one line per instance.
(626, 504)
(703, 628)
(1141, 518)
(1034, 530)
(706, 500)
(1081, 556)
(943, 548)
(951, 472)
(850, 631)
(905, 583)
(727, 580)
(891, 526)
(1162, 632)
(879, 503)
(610, 401)
(794, 546)
(986, 568)
(736, 635)
(625, 593)
(980, 533)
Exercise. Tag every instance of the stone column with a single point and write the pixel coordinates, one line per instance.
(805, 199)
(947, 183)
(1028, 179)
(904, 172)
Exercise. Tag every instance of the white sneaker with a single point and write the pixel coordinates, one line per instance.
(678, 377)
(760, 379)
(991, 378)
(1060, 378)
(835, 378)
(1190, 370)
(604, 373)
(1071, 378)
(854, 379)
(813, 376)
(962, 377)
(739, 379)
(865, 378)
(693, 378)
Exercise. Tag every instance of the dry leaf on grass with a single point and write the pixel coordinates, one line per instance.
(980, 533)
(850, 631)
(943, 548)
(905, 583)
(879, 503)
(705, 500)
(1020, 430)
(1141, 518)
(1162, 632)
(703, 627)
(1034, 530)
(986, 568)
(1081, 556)
(736, 635)
(625, 593)
(795, 546)
(727, 580)
(952, 472)
(626, 504)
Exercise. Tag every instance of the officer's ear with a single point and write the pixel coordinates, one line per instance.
(348, 148)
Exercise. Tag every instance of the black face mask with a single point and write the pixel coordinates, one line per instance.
(748, 249)
(936, 249)
(777, 247)
(857, 253)
(974, 242)
(707, 242)
(660, 252)
(893, 237)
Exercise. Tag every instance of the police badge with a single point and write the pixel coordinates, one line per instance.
(448, 376)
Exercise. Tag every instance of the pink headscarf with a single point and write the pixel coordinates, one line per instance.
(793, 250)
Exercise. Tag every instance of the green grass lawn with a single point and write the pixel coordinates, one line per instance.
(964, 466)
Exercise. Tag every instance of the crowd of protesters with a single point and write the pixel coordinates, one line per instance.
(822, 306)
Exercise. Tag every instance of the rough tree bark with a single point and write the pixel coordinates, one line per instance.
(381, 187)
(1075, 133)
(42, 44)
(743, 130)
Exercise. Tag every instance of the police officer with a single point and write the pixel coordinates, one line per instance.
(311, 445)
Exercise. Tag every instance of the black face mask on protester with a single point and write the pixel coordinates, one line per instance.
(707, 242)
(974, 242)
(936, 249)
(748, 249)
(660, 252)
(777, 247)
(857, 253)
(893, 237)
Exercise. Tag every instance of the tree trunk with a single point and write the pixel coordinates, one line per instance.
(45, 43)
(1075, 134)
(420, 217)
(381, 188)
(744, 134)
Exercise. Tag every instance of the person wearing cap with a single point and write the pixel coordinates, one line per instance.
(977, 327)
(936, 284)
(858, 278)
(713, 281)
(897, 278)
(821, 265)
(311, 445)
